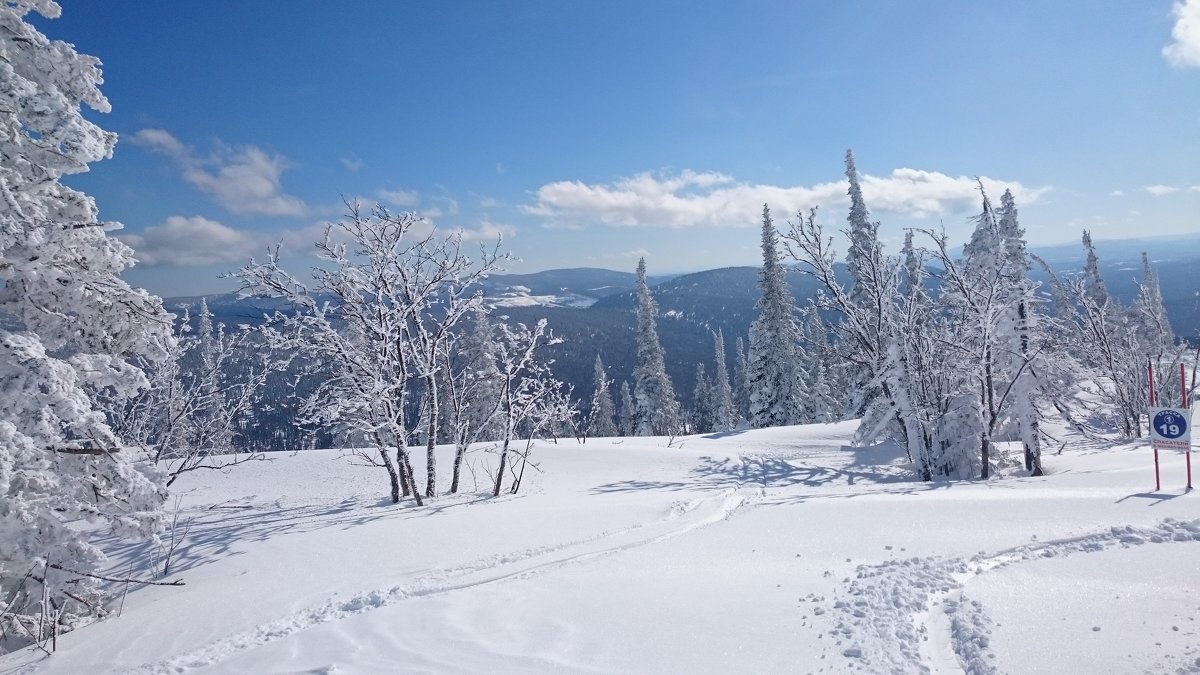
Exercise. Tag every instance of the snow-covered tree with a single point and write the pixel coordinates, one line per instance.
(1114, 344)
(627, 417)
(1019, 327)
(724, 411)
(68, 324)
(532, 401)
(821, 386)
(657, 408)
(601, 419)
(871, 295)
(741, 379)
(376, 324)
(471, 390)
(775, 380)
(199, 398)
(702, 403)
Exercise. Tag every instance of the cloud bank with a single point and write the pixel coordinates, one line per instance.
(709, 199)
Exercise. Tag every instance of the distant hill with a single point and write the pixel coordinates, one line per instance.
(592, 309)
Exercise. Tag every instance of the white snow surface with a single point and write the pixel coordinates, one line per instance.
(770, 551)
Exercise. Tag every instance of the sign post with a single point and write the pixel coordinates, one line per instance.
(1183, 398)
(1170, 428)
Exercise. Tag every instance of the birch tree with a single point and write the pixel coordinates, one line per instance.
(375, 322)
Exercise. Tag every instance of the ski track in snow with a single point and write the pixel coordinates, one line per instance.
(900, 616)
(905, 616)
(683, 517)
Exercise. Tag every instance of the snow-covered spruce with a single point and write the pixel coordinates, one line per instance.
(657, 408)
(70, 324)
(775, 379)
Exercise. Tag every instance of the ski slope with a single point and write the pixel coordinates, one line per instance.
(778, 550)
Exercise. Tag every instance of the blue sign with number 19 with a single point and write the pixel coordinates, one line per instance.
(1170, 424)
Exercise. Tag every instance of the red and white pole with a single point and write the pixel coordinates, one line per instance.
(1150, 373)
(1183, 396)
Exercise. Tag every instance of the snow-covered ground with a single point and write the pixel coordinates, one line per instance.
(781, 550)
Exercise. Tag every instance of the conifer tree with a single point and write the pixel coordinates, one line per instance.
(724, 414)
(1019, 322)
(601, 418)
(775, 379)
(627, 418)
(70, 326)
(741, 379)
(702, 404)
(821, 402)
(658, 412)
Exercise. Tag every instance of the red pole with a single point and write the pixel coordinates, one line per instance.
(1189, 469)
(1150, 379)
(1183, 395)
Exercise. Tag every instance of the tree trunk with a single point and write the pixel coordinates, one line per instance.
(985, 452)
(405, 480)
(459, 451)
(410, 486)
(431, 438)
(520, 474)
(393, 477)
(503, 462)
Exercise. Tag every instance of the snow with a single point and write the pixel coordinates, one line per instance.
(775, 550)
(523, 296)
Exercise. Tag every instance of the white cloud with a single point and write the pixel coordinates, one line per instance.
(400, 197)
(1117, 193)
(1194, 188)
(1160, 190)
(488, 231)
(636, 253)
(709, 199)
(243, 179)
(1184, 49)
(352, 163)
(160, 141)
(190, 242)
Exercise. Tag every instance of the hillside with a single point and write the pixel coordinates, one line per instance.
(781, 550)
(592, 309)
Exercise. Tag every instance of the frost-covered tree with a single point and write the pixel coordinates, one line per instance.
(1019, 330)
(471, 390)
(1150, 315)
(724, 412)
(871, 295)
(657, 408)
(627, 417)
(375, 324)
(200, 398)
(601, 419)
(702, 403)
(741, 379)
(532, 401)
(821, 402)
(68, 324)
(775, 380)
(1112, 344)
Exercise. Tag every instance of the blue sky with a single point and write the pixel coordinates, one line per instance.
(591, 133)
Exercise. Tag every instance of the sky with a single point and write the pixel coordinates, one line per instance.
(589, 134)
